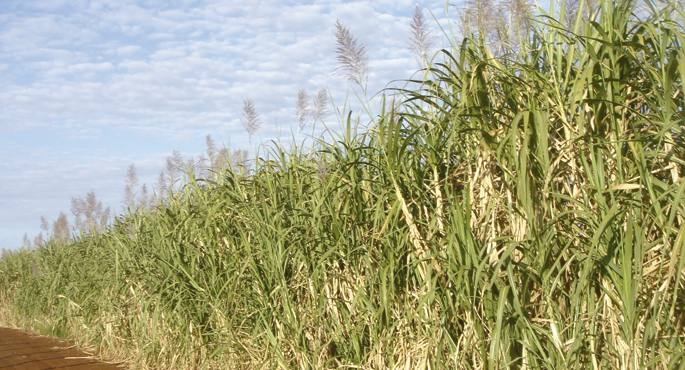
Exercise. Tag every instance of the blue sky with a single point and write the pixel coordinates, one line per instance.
(88, 87)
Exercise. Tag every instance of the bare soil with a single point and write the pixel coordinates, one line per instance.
(23, 351)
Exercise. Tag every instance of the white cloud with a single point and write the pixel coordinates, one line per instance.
(127, 50)
(169, 70)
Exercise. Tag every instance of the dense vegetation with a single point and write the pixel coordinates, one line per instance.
(519, 209)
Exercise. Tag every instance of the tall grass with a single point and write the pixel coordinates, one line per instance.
(523, 211)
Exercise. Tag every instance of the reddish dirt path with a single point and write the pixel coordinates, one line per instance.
(23, 351)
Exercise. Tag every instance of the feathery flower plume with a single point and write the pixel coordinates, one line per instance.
(90, 215)
(161, 188)
(251, 120)
(44, 224)
(174, 168)
(211, 150)
(520, 12)
(302, 108)
(60, 229)
(320, 105)
(351, 55)
(420, 40)
(144, 201)
(131, 183)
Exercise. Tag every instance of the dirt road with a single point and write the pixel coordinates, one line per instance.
(22, 351)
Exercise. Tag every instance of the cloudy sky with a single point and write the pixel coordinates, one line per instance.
(88, 87)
